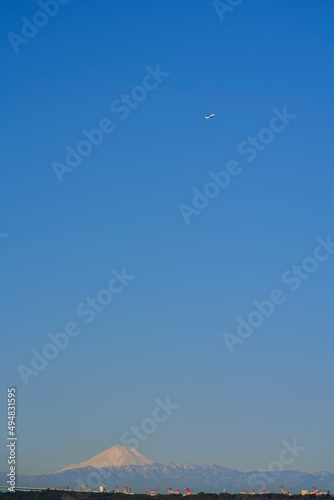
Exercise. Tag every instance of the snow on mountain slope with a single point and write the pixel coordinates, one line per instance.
(116, 456)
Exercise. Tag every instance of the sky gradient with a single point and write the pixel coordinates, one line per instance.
(162, 335)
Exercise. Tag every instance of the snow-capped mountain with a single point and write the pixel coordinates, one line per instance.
(112, 468)
(116, 456)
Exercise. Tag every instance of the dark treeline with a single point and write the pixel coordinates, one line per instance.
(73, 495)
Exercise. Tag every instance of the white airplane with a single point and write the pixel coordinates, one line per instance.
(210, 116)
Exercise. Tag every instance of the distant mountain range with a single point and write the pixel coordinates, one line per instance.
(142, 474)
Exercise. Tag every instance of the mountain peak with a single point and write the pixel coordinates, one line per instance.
(116, 456)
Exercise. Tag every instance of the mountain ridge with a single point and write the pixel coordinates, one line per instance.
(206, 477)
(120, 464)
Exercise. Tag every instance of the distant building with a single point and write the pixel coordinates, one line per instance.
(315, 492)
(102, 488)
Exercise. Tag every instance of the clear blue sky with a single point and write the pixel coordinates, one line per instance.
(162, 336)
